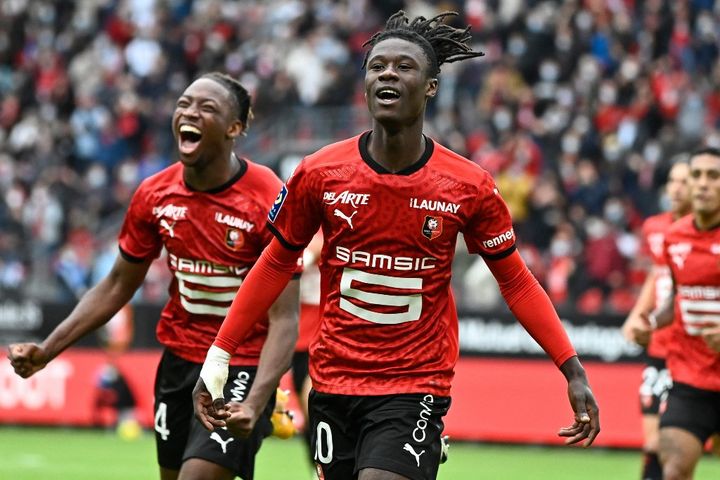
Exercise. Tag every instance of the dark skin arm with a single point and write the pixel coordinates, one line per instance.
(93, 310)
(587, 415)
(275, 358)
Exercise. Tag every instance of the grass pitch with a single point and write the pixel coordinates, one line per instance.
(79, 454)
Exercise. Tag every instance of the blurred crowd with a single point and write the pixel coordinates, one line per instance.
(578, 108)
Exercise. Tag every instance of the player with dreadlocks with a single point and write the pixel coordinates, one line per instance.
(391, 203)
(208, 211)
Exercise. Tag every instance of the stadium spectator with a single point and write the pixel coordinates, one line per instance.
(208, 211)
(692, 310)
(656, 379)
(623, 85)
(391, 203)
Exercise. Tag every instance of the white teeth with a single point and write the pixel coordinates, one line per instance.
(189, 129)
(388, 91)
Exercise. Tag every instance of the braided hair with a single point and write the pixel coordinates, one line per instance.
(440, 42)
(240, 96)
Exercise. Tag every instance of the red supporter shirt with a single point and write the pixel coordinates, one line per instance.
(694, 260)
(653, 237)
(212, 239)
(389, 323)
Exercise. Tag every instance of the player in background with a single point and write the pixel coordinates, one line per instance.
(208, 211)
(657, 287)
(391, 203)
(692, 312)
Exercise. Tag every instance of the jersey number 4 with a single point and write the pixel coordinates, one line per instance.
(409, 305)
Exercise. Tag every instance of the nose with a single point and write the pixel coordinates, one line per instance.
(388, 73)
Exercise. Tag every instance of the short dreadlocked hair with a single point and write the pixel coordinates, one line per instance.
(238, 93)
(440, 42)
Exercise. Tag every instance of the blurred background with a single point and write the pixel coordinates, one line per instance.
(578, 109)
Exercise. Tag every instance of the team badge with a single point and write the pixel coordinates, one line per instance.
(234, 239)
(432, 228)
(277, 204)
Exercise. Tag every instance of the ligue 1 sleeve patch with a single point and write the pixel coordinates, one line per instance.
(277, 204)
(432, 228)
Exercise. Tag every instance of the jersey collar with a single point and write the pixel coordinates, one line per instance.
(410, 169)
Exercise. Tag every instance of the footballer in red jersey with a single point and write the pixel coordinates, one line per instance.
(657, 288)
(391, 203)
(692, 251)
(209, 213)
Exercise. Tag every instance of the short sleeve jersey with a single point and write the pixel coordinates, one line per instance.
(389, 323)
(212, 240)
(694, 260)
(653, 238)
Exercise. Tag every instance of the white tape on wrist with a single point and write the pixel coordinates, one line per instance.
(214, 372)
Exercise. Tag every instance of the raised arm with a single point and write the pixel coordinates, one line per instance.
(93, 310)
(533, 309)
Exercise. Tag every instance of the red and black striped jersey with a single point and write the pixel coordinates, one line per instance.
(694, 260)
(389, 323)
(212, 239)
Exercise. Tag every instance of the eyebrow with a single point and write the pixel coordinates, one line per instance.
(200, 99)
(400, 56)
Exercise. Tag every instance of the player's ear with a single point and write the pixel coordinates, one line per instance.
(432, 87)
(235, 129)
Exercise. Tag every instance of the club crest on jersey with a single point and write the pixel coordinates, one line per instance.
(679, 252)
(234, 239)
(277, 204)
(432, 228)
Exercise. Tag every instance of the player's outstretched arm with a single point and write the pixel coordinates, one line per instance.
(533, 309)
(94, 309)
(586, 425)
(261, 288)
(275, 360)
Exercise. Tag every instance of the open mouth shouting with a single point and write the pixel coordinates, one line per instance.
(189, 138)
(387, 95)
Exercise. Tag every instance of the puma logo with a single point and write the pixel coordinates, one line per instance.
(167, 226)
(340, 214)
(408, 448)
(223, 443)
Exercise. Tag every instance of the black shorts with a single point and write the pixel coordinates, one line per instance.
(692, 409)
(656, 383)
(299, 369)
(396, 433)
(179, 436)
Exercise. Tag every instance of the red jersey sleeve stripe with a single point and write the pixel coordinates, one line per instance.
(131, 258)
(282, 240)
(499, 255)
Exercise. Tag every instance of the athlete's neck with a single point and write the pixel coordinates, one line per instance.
(707, 221)
(213, 174)
(396, 150)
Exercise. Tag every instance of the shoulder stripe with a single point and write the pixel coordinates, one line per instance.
(131, 258)
(282, 240)
(500, 255)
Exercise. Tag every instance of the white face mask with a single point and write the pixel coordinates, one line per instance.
(560, 248)
(502, 119)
